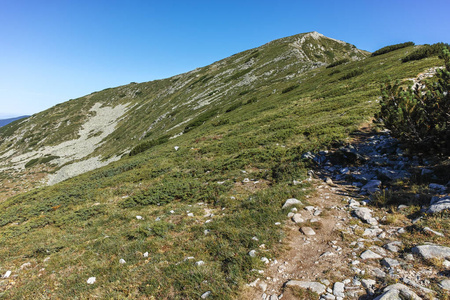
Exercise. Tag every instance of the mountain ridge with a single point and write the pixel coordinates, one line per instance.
(215, 83)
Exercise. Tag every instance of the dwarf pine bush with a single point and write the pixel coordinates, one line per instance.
(420, 115)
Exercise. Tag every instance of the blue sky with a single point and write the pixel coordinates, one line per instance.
(55, 50)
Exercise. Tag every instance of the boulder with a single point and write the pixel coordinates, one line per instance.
(371, 187)
(290, 202)
(397, 291)
(432, 251)
(369, 254)
(365, 214)
(307, 231)
(316, 287)
(439, 204)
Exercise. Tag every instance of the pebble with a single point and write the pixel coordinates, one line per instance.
(91, 280)
(122, 261)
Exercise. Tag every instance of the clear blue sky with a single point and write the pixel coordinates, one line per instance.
(55, 50)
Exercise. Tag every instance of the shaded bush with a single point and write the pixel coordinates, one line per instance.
(149, 144)
(425, 51)
(418, 117)
(392, 48)
(290, 88)
(32, 162)
(200, 120)
(234, 106)
(352, 73)
(338, 62)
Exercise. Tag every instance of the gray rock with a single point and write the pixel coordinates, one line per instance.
(297, 218)
(439, 205)
(389, 262)
(445, 284)
(307, 231)
(369, 254)
(199, 263)
(437, 187)
(338, 289)
(393, 246)
(371, 187)
(378, 250)
(432, 251)
(252, 253)
(372, 231)
(206, 294)
(316, 287)
(377, 272)
(429, 230)
(365, 214)
(368, 283)
(398, 291)
(290, 202)
(328, 297)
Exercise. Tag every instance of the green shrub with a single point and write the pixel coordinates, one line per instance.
(338, 62)
(290, 88)
(149, 144)
(234, 106)
(200, 120)
(392, 48)
(353, 73)
(425, 51)
(32, 162)
(420, 118)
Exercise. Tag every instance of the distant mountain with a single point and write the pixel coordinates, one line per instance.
(4, 122)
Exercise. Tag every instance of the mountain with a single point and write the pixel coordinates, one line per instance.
(10, 120)
(160, 190)
(92, 131)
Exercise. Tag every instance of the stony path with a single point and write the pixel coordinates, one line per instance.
(339, 247)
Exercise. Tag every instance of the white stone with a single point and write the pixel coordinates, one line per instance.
(445, 284)
(91, 280)
(307, 231)
(139, 218)
(316, 287)
(297, 218)
(199, 263)
(176, 148)
(190, 214)
(25, 265)
(122, 261)
(146, 254)
(338, 289)
(369, 254)
(7, 274)
(206, 294)
(252, 253)
(290, 202)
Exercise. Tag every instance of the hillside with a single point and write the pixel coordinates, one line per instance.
(214, 154)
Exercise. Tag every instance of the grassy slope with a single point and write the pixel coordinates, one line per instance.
(86, 224)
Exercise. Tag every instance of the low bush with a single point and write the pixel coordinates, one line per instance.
(149, 144)
(200, 120)
(353, 73)
(391, 48)
(338, 62)
(420, 117)
(290, 88)
(425, 51)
